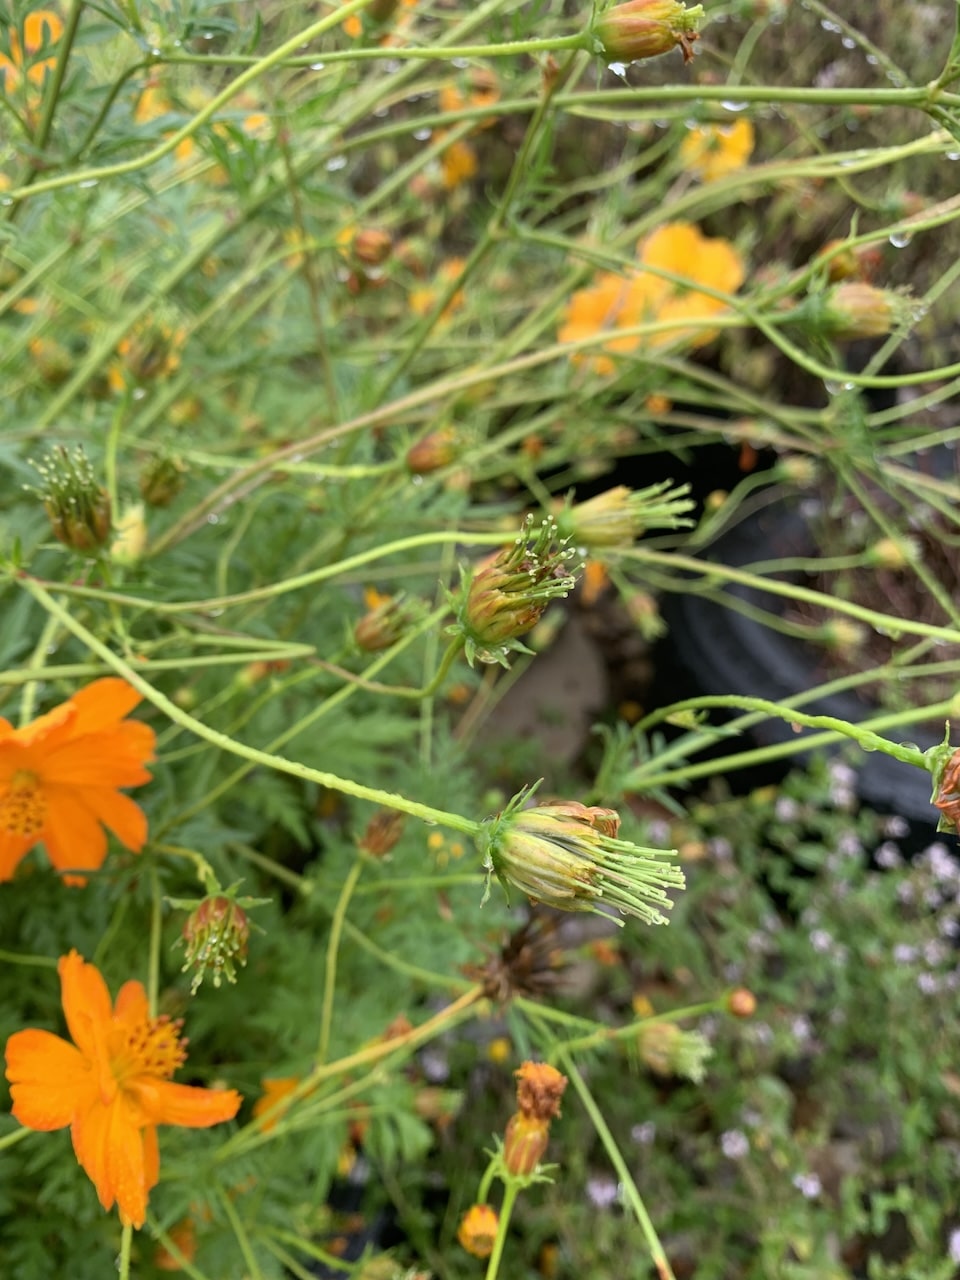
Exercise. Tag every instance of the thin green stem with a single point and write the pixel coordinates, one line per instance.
(865, 738)
(175, 1251)
(607, 1035)
(156, 932)
(39, 962)
(126, 1240)
(12, 1139)
(35, 669)
(333, 949)
(625, 1177)
(300, 726)
(707, 570)
(113, 447)
(510, 1193)
(177, 715)
(55, 84)
(298, 582)
(243, 1240)
(170, 143)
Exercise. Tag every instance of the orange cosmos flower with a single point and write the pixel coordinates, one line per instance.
(614, 302)
(593, 310)
(711, 151)
(59, 780)
(41, 29)
(112, 1085)
(458, 164)
(682, 248)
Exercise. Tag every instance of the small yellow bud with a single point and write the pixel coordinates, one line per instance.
(893, 553)
(131, 540)
(478, 1230)
(842, 635)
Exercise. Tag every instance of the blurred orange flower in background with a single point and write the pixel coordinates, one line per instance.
(112, 1085)
(711, 151)
(41, 29)
(617, 302)
(59, 780)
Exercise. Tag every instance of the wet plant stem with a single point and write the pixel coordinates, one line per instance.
(346, 786)
(156, 933)
(866, 739)
(510, 1193)
(629, 1187)
(126, 1240)
(333, 948)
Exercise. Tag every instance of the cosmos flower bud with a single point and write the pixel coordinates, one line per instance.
(645, 29)
(944, 764)
(215, 936)
(477, 1232)
(384, 624)
(433, 451)
(508, 594)
(742, 1003)
(842, 635)
(78, 508)
(525, 1141)
(893, 553)
(152, 349)
(567, 856)
(131, 540)
(161, 480)
(371, 245)
(383, 831)
(617, 517)
(856, 310)
(539, 1089)
(668, 1050)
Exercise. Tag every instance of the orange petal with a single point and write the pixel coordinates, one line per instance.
(50, 1079)
(119, 813)
(109, 1145)
(108, 758)
(151, 1157)
(131, 1004)
(184, 1104)
(103, 703)
(40, 28)
(74, 838)
(13, 848)
(86, 1002)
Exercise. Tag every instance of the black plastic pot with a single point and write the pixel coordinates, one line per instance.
(716, 650)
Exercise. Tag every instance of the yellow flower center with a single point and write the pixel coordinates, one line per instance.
(23, 807)
(152, 1047)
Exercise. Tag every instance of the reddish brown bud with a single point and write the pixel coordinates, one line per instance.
(647, 28)
(382, 833)
(384, 624)
(433, 451)
(371, 246)
(742, 1003)
(525, 1143)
